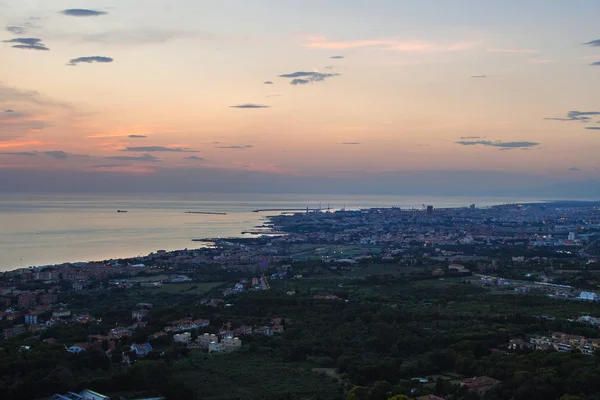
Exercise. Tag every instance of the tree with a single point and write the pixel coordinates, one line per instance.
(399, 397)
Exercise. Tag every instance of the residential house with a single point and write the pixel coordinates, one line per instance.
(119, 332)
(215, 347)
(519, 344)
(14, 331)
(26, 301)
(142, 350)
(48, 298)
(230, 344)
(263, 330)
(78, 348)
(480, 384)
(37, 327)
(138, 315)
(13, 316)
(184, 338)
(31, 318)
(206, 339)
(277, 329)
(61, 313)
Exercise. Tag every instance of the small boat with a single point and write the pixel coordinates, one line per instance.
(121, 210)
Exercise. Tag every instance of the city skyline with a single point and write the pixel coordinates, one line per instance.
(251, 95)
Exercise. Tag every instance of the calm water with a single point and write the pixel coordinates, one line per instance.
(49, 229)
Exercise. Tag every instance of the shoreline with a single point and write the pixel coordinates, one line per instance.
(211, 242)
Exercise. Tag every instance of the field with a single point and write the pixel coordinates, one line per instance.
(187, 288)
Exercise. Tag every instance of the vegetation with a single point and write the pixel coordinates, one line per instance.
(368, 344)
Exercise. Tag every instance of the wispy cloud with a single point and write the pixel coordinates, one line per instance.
(583, 116)
(27, 44)
(82, 12)
(593, 43)
(595, 64)
(11, 95)
(196, 158)
(236, 147)
(268, 83)
(479, 76)
(90, 60)
(249, 105)
(57, 154)
(575, 169)
(593, 128)
(17, 30)
(136, 37)
(513, 51)
(350, 143)
(137, 136)
(157, 149)
(142, 158)
(498, 144)
(392, 44)
(337, 57)
(303, 78)
(541, 61)
(20, 153)
(14, 124)
(472, 137)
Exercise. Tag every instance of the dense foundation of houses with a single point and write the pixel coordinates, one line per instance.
(558, 341)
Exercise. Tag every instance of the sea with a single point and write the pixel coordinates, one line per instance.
(47, 229)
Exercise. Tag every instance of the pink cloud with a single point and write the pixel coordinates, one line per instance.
(513, 51)
(399, 45)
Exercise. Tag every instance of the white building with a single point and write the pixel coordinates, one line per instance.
(588, 296)
(230, 344)
(184, 338)
(215, 347)
(572, 236)
(207, 339)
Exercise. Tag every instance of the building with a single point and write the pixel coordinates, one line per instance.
(31, 318)
(91, 395)
(12, 332)
(61, 313)
(142, 350)
(479, 385)
(215, 347)
(77, 348)
(590, 296)
(207, 339)
(230, 344)
(78, 286)
(83, 395)
(430, 397)
(138, 315)
(572, 236)
(27, 301)
(48, 298)
(184, 338)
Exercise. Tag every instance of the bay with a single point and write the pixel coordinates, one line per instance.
(47, 229)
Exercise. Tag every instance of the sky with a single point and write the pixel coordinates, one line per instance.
(311, 95)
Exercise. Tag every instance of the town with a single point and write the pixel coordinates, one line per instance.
(236, 300)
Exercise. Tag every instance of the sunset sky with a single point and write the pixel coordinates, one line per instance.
(307, 90)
